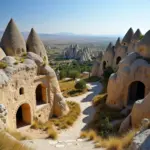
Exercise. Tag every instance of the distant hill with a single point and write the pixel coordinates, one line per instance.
(65, 37)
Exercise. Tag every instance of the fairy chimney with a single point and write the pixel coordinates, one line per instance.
(35, 45)
(12, 41)
(128, 36)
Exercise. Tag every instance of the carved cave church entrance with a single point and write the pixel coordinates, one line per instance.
(136, 92)
(23, 115)
(40, 94)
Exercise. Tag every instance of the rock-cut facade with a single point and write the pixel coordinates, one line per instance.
(129, 85)
(29, 88)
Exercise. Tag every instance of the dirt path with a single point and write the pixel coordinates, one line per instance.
(70, 138)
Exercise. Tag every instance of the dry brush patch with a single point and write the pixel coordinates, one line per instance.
(68, 88)
(69, 119)
(101, 98)
(63, 122)
(111, 142)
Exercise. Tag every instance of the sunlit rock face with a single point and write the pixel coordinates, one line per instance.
(29, 88)
(35, 45)
(12, 41)
(75, 52)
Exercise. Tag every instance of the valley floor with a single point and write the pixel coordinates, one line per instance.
(69, 138)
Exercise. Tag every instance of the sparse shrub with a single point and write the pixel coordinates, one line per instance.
(62, 74)
(21, 60)
(117, 143)
(92, 135)
(52, 134)
(16, 63)
(3, 65)
(99, 99)
(44, 61)
(81, 85)
(141, 37)
(74, 74)
(84, 134)
(24, 55)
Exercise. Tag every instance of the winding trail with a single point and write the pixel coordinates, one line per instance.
(69, 138)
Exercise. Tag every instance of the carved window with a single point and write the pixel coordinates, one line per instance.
(21, 91)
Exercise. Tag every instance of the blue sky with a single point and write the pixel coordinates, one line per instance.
(95, 17)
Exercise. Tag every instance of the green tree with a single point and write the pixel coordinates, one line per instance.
(62, 74)
(74, 74)
(80, 85)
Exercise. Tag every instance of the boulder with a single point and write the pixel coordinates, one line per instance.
(141, 141)
(3, 115)
(60, 106)
(38, 60)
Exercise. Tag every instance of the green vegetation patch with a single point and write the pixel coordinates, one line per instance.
(3, 65)
(80, 85)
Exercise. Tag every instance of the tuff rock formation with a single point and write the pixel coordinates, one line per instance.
(28, 85)
(75, 52)
(35, 45)
(12, 41)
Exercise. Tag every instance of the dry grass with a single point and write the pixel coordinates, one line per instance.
(68, 89)
(101, 98)
(92, 135)
(84, 134)
(17, 135)
(69, 119)
(52, 134)
(117, 143)
(110, 143)
(63, 122)
(7, 142)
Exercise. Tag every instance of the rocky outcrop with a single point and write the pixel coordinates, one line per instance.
(3, 115)
(131, 69)
(74, 52)
(140, 111)
(141, 141)
(35, 45)
(33, 61)
(12, 41)
(60, 106)
(126, 124)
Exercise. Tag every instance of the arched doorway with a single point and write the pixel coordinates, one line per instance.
(23, 115)
(136, 91)
(118, 59)
(104, 65)
(40, 94)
